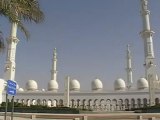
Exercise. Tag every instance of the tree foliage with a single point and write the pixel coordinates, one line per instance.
(19, 11)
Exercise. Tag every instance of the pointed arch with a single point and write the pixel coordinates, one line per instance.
(44, 102)
(23, 102)
(78, 103)
(60, 103)
(108, 104)
(72, 103)
(126, 103)
(33, 102)
(157, 101)
(114, 104)
(132, 103)
(38, 102)
(120, 104)
(54, 103)
(96, 104)
(90, 104)
(84, 104)
(49, 103)
(28, 102)
(139, 103)
(102, 104)
(145, 104)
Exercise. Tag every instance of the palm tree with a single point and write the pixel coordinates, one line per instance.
(18, 11)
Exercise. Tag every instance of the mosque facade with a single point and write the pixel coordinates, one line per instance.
(124, 96)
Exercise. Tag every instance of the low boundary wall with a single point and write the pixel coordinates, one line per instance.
(118, 116)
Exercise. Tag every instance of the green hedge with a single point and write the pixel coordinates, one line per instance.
(34, 109)
(152, 109)
(38, 109)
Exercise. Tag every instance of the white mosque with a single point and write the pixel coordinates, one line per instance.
(124, 96)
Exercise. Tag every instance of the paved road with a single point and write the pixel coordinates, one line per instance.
(15, 118)
(106, 116)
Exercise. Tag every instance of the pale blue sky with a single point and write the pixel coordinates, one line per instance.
(91, 38)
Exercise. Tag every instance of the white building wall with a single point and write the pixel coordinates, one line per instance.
(101, 101)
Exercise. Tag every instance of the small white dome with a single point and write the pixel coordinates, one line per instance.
(97, 84)
(119, 84)
(31, 85)
(142, 83)
(21, 89)
(74, 85)
(17, 87)
(52, 85)
(43, 90)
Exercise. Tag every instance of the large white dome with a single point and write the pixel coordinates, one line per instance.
(52, 85)
(31, 85)
(142, 83)
(74, 85)
(119, 84)
(97, 84)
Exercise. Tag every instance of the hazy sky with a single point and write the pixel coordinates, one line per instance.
(91, 38)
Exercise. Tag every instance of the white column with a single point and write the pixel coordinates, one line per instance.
(54, 66)
(10, 65)
(66, 92)
(129, 68)
(147, 34)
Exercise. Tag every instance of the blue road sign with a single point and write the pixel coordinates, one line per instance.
(11, 87)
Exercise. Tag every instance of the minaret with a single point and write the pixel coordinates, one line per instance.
(10, 65)
(54, 65)
(129, 68)
(147, 34)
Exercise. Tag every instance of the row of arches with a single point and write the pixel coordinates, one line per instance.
(91, 104)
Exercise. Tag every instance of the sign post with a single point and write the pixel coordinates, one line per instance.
(6, 106)
(12, 108)
(11, 90)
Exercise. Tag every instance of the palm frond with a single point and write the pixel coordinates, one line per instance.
(2, 44)
(19, 11)
(25, 31)
(28, 10)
